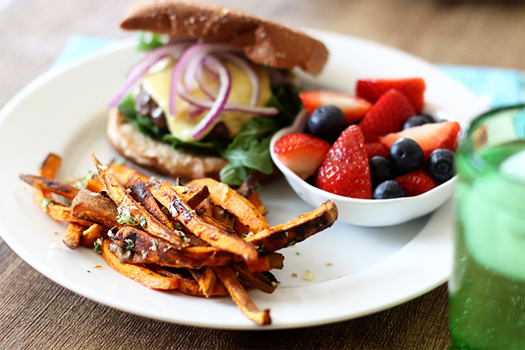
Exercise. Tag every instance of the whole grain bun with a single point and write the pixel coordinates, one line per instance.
(263, 42)
(158, 156)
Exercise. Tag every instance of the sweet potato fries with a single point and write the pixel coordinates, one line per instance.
(203, 239)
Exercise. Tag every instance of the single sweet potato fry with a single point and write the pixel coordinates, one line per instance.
(151, 250)
(71, 237)
(122, 172)
(94, 207)
(53, 186)
(50, 166)
(48, 170)
(95, 185)
(240, 207)
(257, 203)
(267, 262)
(206, 279)
(240, 296)
(296, 230)
(190, 286)
(61, 213)
(138, 273)
(91, 234)
(252, 278)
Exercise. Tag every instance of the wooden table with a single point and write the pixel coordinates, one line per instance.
(36, 313)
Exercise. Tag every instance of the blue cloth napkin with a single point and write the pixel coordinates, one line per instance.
(78, 46)
(494, 86)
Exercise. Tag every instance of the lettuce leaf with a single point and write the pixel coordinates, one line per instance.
(250, 149)
(148, 41)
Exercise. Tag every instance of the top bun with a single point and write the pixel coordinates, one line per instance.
(263, 42)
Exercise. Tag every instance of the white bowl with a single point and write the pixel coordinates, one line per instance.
(362, 212)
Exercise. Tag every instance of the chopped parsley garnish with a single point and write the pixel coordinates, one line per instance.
(45, 203)
(98, 245)
(130, 243)
(81, 184)
(124, 216)
(143, 221)
(291, 243)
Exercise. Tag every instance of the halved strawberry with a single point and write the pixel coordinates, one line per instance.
(416, 183)
(375, 149)
(387, 115)
(345, 170)
(301, 153)
(354, 108)
(428, 136)
(413, 89)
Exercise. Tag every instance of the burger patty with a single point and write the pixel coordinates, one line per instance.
(147, 107)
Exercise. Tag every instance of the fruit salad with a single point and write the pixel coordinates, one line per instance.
(377, 144)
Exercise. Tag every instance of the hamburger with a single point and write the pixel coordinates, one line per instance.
(211, 88)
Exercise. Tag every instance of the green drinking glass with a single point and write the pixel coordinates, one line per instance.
(487, 287)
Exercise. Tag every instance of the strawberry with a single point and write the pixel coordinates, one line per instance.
(345, 170)
(376, 149)
(354, 108)
(428, 136)
(387, 115)
(412, 89)
(416, 183)
(301, 153)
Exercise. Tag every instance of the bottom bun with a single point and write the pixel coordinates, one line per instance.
(156, 155)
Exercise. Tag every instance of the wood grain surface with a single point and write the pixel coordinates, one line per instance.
(36, 313)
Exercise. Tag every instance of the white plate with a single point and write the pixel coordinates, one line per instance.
(357, 271)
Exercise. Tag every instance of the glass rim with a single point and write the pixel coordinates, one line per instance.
(474, 123)
(466, 147)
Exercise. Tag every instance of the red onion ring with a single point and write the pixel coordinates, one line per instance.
(229, 106)
(220, 101)
(116, 99)
(175, 50)
(194, 111)
(250, 72)
(150, 59)
(199, 77)
(196, 52)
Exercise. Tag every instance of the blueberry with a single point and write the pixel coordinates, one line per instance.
(389, 189)
(416, 120)
(327, 122)
(440, 165)
(427, 117)
(406, 155)
(380, 170)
